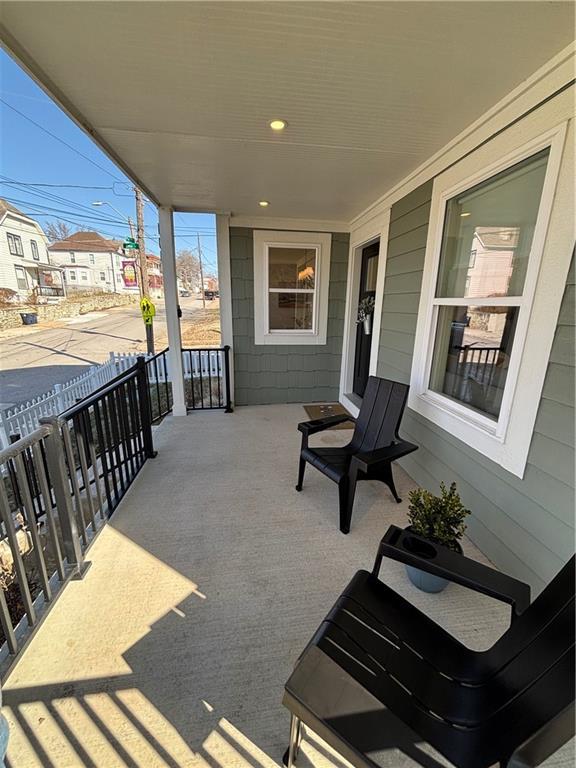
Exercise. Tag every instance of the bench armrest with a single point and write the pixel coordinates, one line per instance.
(411, 549)
(319, 425)
(371, 459)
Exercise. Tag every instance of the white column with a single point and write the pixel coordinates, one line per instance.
(168, 254)
(225, 289)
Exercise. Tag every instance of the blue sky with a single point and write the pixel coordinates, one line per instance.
(31, 157)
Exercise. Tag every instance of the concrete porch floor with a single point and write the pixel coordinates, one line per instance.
(204, 588)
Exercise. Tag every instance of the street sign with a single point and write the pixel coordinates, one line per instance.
(130, 244)
(148, 310)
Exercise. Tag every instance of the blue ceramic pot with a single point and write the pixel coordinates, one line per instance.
(424, 581)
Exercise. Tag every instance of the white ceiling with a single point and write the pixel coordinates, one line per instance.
(182, 92)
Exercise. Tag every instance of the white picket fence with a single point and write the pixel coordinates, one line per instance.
(23, 418)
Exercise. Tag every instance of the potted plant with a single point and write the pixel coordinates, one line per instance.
(365, 312)
(440, 520)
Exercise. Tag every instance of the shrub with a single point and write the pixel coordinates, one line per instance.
(439, 519)
(8, 297)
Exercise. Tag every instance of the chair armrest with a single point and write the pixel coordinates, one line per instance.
(318, 425)
(370, 459)
(411, 549)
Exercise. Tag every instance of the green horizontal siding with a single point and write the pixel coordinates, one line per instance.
(266, 374)
(525, 526)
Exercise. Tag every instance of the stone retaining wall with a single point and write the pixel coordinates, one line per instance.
(10, 318)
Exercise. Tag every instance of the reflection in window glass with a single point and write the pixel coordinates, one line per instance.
(291, 311)
(472, 354)
(291, 267)
(488, 233)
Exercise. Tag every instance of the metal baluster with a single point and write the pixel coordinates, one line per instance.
(106, 471)
(7, 626)
(210, 377)
(93, 460)
(112, 404)
(123, 394)
(133, 398)
(50, 522)
(166, 386)
(111, 453)
(201, 379)
(219, 377)
(19, 567)
(157, 391)
(227, 377)
(33, 526)
(72, 474)
(80, 444)
(192, 380)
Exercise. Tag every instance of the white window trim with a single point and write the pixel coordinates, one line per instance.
(506, 442)
(319, 241)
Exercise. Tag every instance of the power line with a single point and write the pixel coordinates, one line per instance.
(54, 198)
(57, 138)
(67, 186)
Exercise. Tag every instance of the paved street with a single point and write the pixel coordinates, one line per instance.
(34, 360)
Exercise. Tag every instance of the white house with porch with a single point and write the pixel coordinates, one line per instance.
(25, 266)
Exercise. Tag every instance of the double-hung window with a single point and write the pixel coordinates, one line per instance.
(35, 252)
(485, 243)
(291, 282)
(21, 279)
(15, 244)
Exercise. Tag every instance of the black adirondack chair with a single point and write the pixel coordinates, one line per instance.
(374, 446)
(379, 674)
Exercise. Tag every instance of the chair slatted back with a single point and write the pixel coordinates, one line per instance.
(380, 414)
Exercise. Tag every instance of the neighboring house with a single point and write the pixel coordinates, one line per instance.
(93, 263)
(25, 266)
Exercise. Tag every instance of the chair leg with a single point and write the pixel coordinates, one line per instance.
(301, 468)
(388, 478)
(346, 492)
(291, 754)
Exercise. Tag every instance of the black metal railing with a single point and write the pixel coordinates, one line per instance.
(50, 290)
(207, 378)
(159, 385)
(478, 363)
(58, 486)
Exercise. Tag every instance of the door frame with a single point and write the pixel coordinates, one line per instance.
(376, 229)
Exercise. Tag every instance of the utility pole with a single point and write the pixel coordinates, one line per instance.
(131, 225)
(144, 281)
(201, 271)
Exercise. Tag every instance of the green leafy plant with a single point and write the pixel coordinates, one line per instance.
(439, 519)
(365, 309)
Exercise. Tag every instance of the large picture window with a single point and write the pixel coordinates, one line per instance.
(486, 243)
(291, 274)
(487, 232)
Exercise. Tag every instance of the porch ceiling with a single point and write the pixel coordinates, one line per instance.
(182, 93)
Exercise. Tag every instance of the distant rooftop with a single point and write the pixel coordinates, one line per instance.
(86, 241)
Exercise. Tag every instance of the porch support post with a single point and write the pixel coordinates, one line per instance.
(225, 290)
(168, 254)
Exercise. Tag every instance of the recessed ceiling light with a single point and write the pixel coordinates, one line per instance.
(278, 125)
(462, 215)
(263, 203)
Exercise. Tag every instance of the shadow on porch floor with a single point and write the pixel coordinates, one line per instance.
(204, 588)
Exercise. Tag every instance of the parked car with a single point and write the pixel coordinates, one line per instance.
(185, 293)
(210, 295)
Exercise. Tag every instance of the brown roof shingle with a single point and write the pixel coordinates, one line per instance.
(85, 241)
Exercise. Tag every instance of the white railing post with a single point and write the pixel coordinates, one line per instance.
(59, 400)
(168, 254)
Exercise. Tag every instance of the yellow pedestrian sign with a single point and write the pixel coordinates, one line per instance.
(148, 310)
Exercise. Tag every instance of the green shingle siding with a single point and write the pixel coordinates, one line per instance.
(284, 373)
(526, 526)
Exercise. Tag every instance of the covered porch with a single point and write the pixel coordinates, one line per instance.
(204, 588)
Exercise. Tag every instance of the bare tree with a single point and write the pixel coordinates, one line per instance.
(57, 230)
(188, 268)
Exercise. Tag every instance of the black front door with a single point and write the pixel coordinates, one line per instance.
(368, 274)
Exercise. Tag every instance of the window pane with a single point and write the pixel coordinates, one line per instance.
(291, 267)
(488, 233)
(472, 354)
(290, 311)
